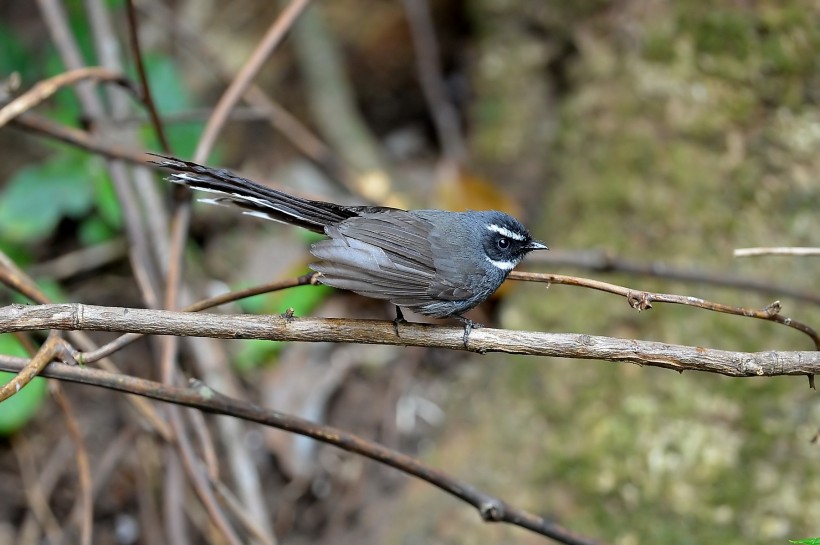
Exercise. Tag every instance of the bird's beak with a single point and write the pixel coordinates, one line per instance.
(535, 245)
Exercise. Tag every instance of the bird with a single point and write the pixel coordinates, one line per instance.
(434, 262)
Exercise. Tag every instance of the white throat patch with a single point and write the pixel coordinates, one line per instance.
(503, 231)
(503, 265)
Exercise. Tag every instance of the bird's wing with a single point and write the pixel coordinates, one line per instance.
(458, 277)
(384, 254)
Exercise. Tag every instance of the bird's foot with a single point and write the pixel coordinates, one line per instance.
(398, 320)
(469, 325)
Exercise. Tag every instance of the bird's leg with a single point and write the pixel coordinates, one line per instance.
(469, 325)
(398, 320)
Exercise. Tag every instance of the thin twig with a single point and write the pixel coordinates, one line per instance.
(59, 30)
(53, 348)
(12, 276)
(105, 466)
(199, 480)
(80, 261)
(334, 107)
(83, 468)
(201, 397)
(790, 251)
(32, 122)
(642, 300)
(147, 96)
(299, 134)
(128, 338)
(430, 73)
(45, 88)
(241, 513)
(271, 40)
(36, 497)
(49, 474)
(606, 262)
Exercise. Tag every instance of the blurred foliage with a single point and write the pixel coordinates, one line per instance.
(69, 183)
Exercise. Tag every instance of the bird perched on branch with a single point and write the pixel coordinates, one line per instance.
(437, 263)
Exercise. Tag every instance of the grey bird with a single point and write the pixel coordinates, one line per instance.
(437, 263)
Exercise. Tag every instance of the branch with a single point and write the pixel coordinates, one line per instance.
(199, 396)
(642, 300)
(791, 251)
(45, 88)
(77, 316)
(606, 261)
(273, 37)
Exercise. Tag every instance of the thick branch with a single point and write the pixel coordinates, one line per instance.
(273, 327)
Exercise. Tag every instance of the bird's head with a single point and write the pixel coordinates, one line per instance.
(505, 240)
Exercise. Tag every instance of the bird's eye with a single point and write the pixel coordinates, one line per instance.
(503, 243)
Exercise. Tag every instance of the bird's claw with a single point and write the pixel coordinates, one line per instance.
(398, 320)
(469, 325)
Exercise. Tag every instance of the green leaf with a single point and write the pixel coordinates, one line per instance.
(809, 541)
(17, 410)
(38, 196)
(95, 231)
(171, 97)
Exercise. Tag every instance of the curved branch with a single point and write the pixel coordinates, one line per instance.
(642, 300)
(200, 396)
(45, 88)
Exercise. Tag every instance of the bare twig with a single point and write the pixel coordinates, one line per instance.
(37, 499)
(81, 260)
(642, 300)
(200, 482)
(49, 474)
(116, 451)
(334, 108)
(128, 338)
(201, 397)
(44, 89)
(299, 134)
(16, 279)
(145, 88)
(272, 39)
(79, 138)
(606, 262)
(790, 251)
(56, 20)
(83, 468)
(227, 326)
(241, 513)
(430, 72)
(53, 348)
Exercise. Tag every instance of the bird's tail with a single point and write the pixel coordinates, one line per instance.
(255, 199)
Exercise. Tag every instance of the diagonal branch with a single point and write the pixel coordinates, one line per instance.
(200, 396)
(45, 88)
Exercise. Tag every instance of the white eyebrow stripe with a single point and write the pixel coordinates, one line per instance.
(506, 232)
(503, 265)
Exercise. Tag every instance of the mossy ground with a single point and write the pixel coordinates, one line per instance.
(685, 130)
